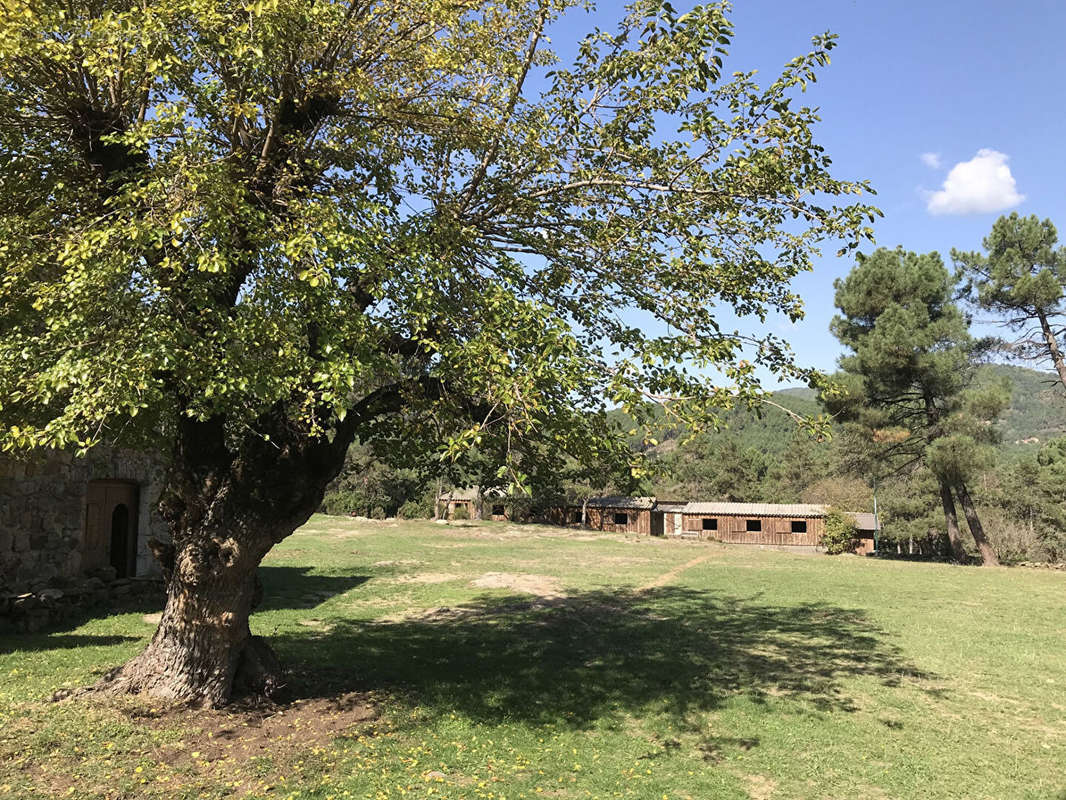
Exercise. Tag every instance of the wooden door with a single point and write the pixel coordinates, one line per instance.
(658, 520)
(110, 536)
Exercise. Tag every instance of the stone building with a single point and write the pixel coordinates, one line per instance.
(63, 517)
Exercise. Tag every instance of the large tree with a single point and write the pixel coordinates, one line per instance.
(1022, 279)
(907, 386)
(249, 232)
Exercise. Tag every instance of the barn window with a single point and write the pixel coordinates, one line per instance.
(710, 524)
(575, 515)
(497, 511)
(799, 526)
(754, 526)
(621, 519)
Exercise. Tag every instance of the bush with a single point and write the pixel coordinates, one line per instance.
(839, 536)
(461, 512)
(1012, 539)
(377, 513)
(415, 509)
(343, 502)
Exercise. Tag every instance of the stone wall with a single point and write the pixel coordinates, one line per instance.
(43, 512)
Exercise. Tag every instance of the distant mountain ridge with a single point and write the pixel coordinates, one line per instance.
(1037, 413)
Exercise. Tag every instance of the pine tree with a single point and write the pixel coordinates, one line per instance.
(907, 377)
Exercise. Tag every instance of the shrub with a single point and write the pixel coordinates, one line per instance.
(415, 509)
(343, 502)
(839, 536)
(377, 513)
(460, 512)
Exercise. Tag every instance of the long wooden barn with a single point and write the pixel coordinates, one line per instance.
(769, 524)
(780, 524)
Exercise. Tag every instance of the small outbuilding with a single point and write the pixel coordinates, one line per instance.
(867, 526)
(473, 503)
(460, 503)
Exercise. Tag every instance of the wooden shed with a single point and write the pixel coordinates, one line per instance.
(778, 524)
(617, 514)
(867, 526)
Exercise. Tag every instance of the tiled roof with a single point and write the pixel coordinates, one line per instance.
(757, 509)
(620, 501)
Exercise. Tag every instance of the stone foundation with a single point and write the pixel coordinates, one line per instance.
(30, 612)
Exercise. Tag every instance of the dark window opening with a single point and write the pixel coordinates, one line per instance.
(799, 526)
(710, 524)
(621, 519)
(754, 526)
(575, 515)
(120, 540)
(497, 511)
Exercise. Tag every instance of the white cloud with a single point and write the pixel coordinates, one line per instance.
(982, 185)
(931, 160)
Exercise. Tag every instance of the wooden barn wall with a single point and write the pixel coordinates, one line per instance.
(602, 519)
(775, 530)
(864, 545)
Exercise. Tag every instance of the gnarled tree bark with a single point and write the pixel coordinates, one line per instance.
(203, 642)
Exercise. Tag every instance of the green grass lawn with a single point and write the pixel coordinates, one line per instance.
(487, 660)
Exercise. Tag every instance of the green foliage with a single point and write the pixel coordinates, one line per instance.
(460, 512)
(839, 536)
(1021, 280)
(416, 509)
(368, 482)
(908, 395)
(312, 221)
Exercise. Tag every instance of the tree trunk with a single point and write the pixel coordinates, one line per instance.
(951, 519)
(1052, 347)
(988, 555)
(203, 645)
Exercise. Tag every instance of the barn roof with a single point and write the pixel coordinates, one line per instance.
(621, 501)
(670, 505)
(460, 494)
(865, 521)
(757, 509)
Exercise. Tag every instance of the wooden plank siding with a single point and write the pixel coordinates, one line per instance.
(602, 519)
(775, 530)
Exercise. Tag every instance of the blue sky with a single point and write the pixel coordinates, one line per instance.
(973, 81)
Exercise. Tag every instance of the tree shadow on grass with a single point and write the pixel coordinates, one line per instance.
(36, 642)
(591, 655)
(296, 587)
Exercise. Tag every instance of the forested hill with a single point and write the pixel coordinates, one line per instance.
(1037, 413)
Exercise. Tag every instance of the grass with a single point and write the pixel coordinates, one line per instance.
(423, 667)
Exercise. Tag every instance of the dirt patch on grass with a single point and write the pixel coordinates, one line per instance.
(251, 747)
(403, 562)
(317, 624)
(673, 575)
(760, 787)
(429, 577)
(539, 585)
(243, 732)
